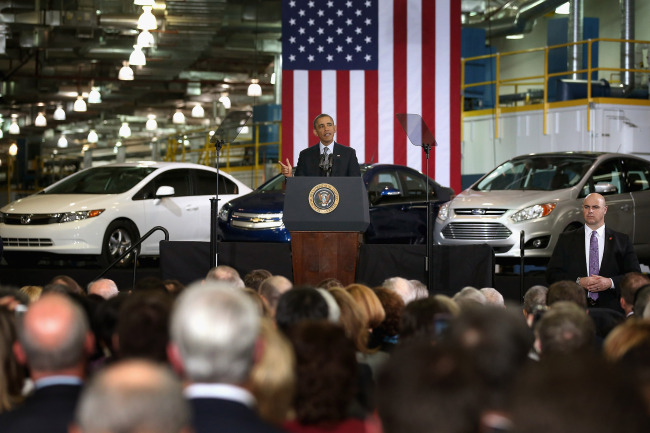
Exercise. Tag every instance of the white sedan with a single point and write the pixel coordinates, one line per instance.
(102, 211)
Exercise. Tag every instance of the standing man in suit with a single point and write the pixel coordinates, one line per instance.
(54, 340)
(595, 257)
(214, 331)
(311, 160)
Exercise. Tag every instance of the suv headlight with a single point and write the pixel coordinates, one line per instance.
(66, 217)
(532, 212)
(443, 213)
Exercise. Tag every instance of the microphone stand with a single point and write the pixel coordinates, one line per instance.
(214, 206)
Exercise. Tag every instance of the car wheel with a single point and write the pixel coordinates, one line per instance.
(119, 237)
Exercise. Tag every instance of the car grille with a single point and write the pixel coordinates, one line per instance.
(480, 211)
(31, 219)
(476, 231)
(254, 221)
(27, 242)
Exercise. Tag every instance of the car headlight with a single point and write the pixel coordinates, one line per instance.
(66, 217)
(223, 213)
(532, 212)
(443, 213)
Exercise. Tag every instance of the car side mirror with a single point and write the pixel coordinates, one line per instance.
(165, 191)
(606, 188)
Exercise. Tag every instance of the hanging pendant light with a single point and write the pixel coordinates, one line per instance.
(13, 149)
(40, 120)
(94, 97)
(79, 104)
(92, 136)
(178, 117)
(147, 20)
(151, 124)
(14, 129)
(125, 131)
(198, 111)
(225, 100)
(145, 39)
(63, 142)
(144, 2)
(137, 57)
(126, 73)
(254, 89)
(59, 113)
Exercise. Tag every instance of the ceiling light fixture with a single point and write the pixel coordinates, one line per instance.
(147, 20)
(144, 2)
(145, 39)
(178, 117)
(94, 97)
(92, 136)
(79, 104)
(137, 57)
(151, 124)
(40, 120)
(126, 73)
(254, 89)
(125, 131)
(225, 100)
(14, 129)
(517, 36)
(63, 142)
(59, 113)
(198, 111)
(13, 149)
(563, 9)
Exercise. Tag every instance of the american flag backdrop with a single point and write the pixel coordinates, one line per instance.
(363, 61)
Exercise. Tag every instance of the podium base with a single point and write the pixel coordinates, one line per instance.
(319, 255)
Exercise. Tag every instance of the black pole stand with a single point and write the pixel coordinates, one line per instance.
(521, 265)
(214, 206)
(427, 261)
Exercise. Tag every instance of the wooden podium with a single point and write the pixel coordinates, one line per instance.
(326, 217)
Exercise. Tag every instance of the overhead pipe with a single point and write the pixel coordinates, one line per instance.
(576, 18)
(627, 48)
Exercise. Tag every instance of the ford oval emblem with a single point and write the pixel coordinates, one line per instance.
(25, 219)
(478, 211)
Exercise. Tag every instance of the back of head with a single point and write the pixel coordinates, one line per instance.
(143, 325)
(565, 328)
(493, 297)
(421, 290)
(630, 283)
(566, 291)
(226, 274)
(351, 318)
(426, 318)
(326, 370)
(641, 300)
(103, 287)
(535, 297)
(254, 278)
(272, 288)
(393, 306)
(300, 303)
(370, 304)
(566, 394)
(11, 373)
(132, 397)
(214, 329)
(68, 282)
(424, 387)
(469, 296)
(402, 287)
(53, 333)
(150, 284)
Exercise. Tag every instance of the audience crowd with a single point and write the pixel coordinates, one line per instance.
(254, 354)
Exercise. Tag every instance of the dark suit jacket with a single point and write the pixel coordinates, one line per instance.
(344, 161)
(216, 415)
(48, 410)
(569, 262)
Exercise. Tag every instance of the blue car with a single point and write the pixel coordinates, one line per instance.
(396, 195)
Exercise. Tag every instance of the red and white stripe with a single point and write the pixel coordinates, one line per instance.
(418, 72)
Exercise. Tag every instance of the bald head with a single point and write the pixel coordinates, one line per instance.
(133, 396)
(104, 287)
(53, 334)
(594, 209)
(272, 288)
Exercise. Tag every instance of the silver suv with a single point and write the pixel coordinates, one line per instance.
(542, 194)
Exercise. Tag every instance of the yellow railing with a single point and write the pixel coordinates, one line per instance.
(499, 82)
(242, 155)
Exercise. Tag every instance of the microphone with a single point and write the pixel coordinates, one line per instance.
(323, 162)
(329, 164)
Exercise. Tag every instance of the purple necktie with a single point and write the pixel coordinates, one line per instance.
(593, 260)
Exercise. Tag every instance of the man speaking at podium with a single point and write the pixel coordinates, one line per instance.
(328, 158)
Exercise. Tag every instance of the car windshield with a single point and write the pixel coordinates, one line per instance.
(101, 180)
(543, 173)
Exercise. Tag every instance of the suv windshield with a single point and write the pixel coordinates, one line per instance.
(101, 180)
(543, 173)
